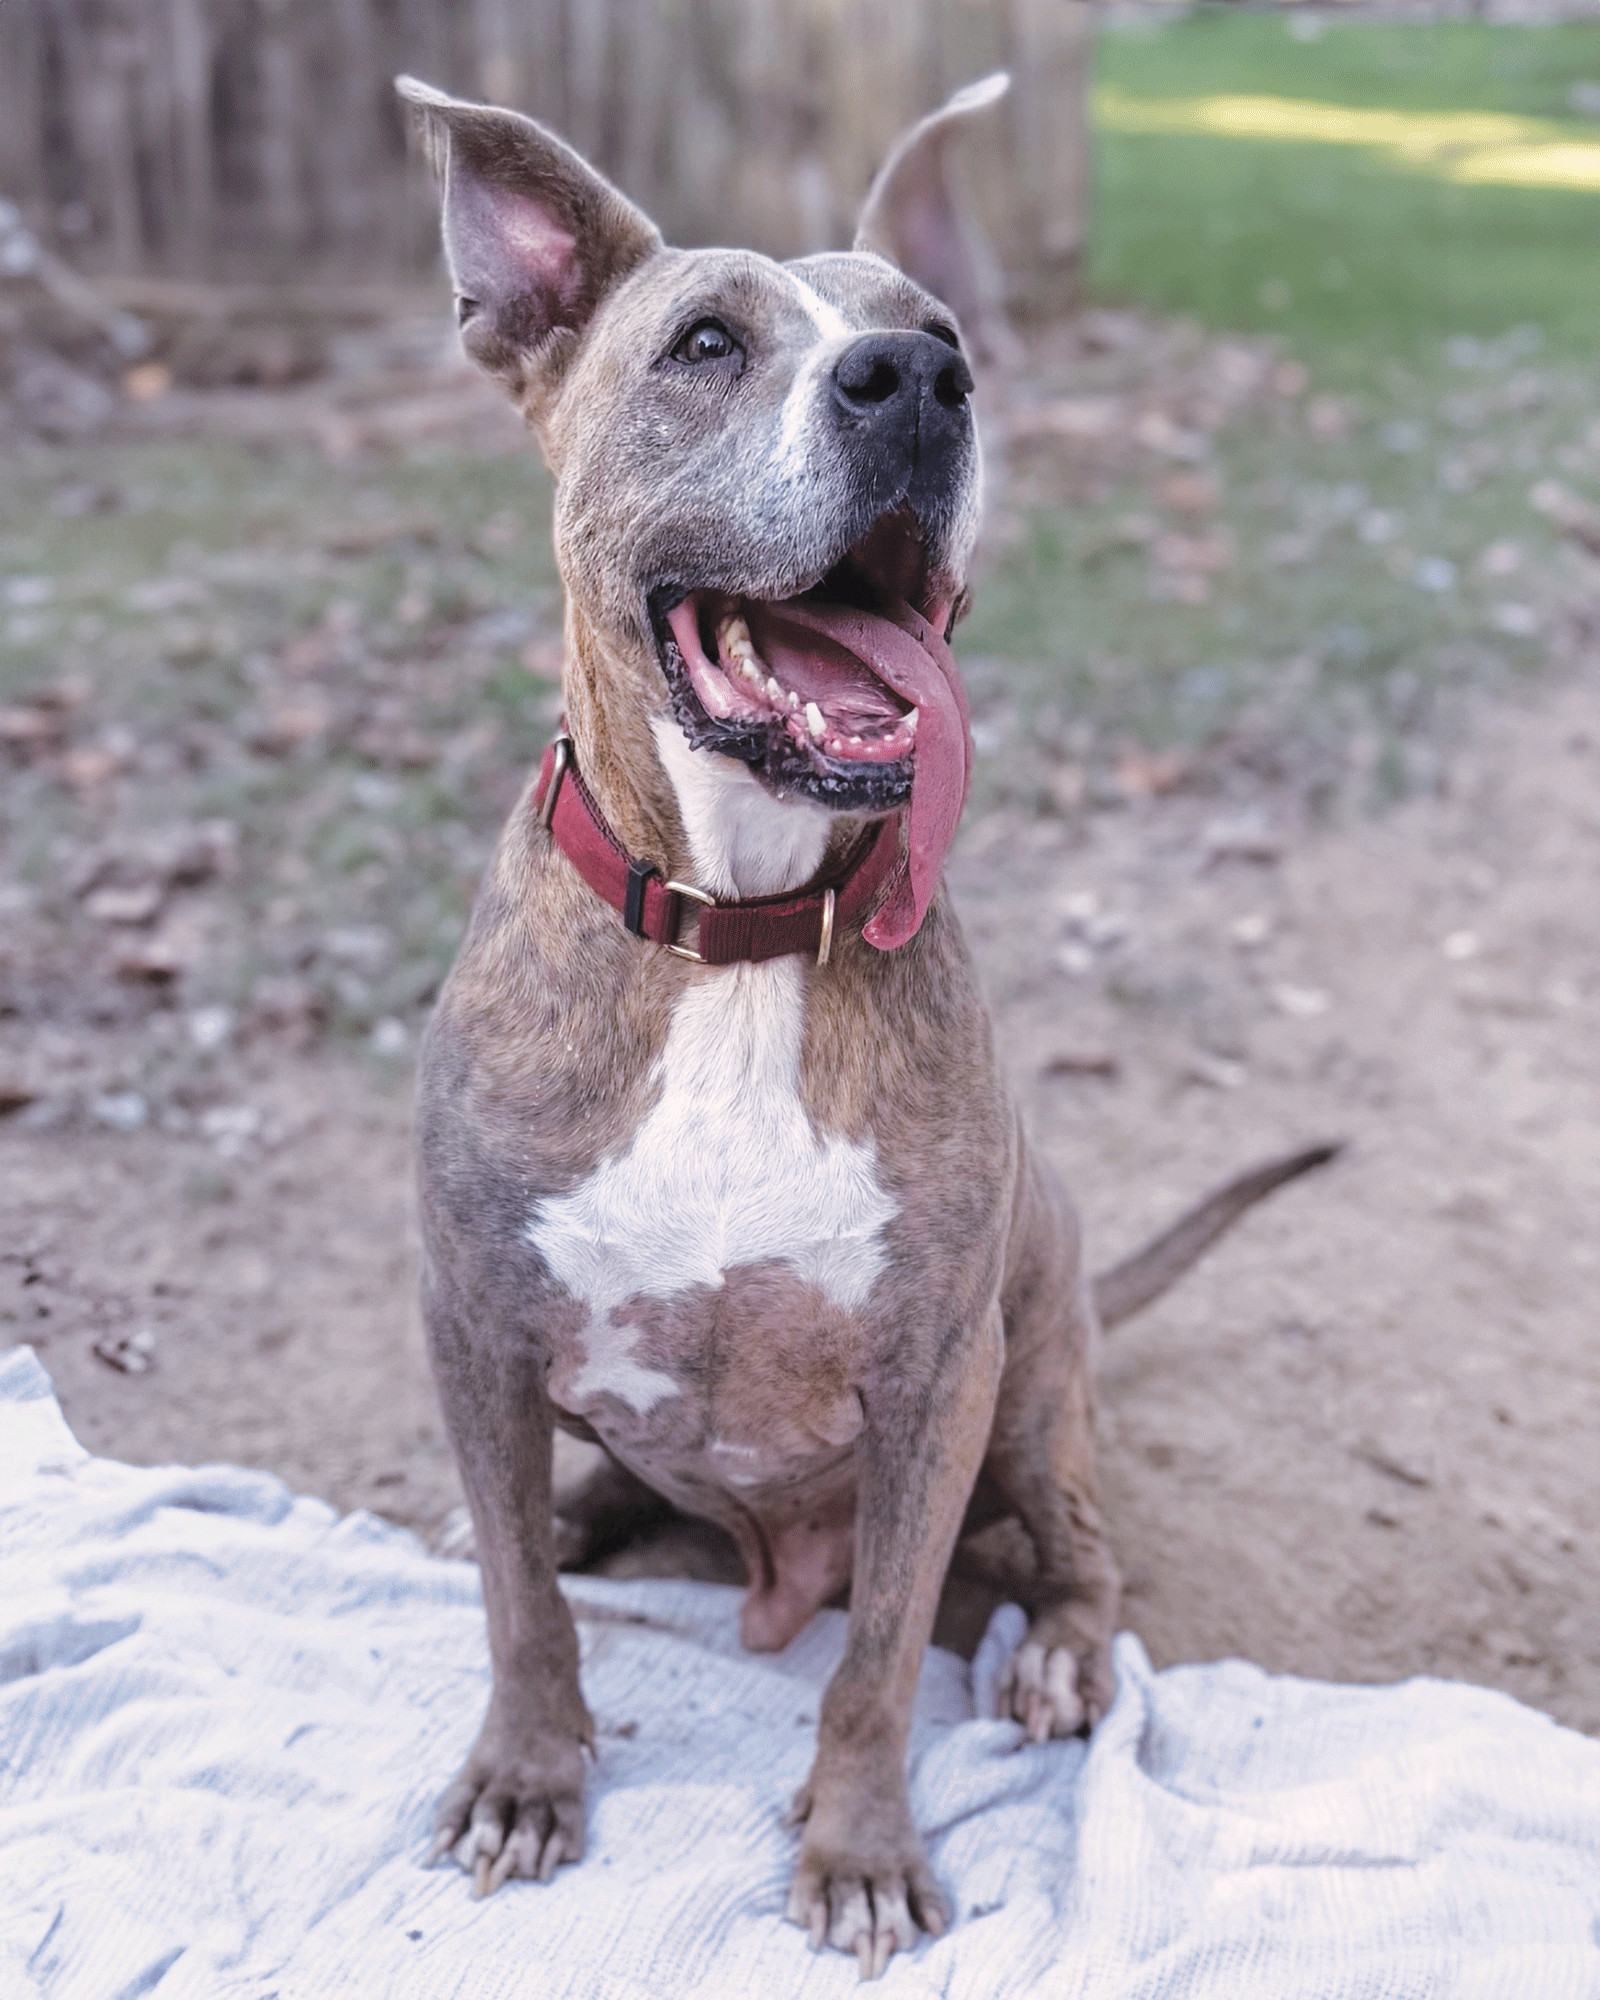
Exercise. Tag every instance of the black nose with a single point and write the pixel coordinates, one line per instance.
(910, 381)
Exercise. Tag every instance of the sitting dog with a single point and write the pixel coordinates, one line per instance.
(718, 1167)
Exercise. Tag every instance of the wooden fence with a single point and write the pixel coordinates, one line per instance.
(228, 139)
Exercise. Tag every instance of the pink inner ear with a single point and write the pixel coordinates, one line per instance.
(512, 249)
(533, 236)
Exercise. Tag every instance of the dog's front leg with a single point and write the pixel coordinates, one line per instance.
(516, 1805)
(863, 1882)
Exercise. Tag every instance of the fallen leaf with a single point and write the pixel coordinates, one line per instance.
(1245, 838)
(1189, 493)
(1216, 1072)
(147, 383)
(1083, 1062)
(139, 904)
(1327, 417)
(133, 1354)
(1301, 1003)
(1145, 774)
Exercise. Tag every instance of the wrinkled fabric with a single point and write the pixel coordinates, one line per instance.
(225, 1715)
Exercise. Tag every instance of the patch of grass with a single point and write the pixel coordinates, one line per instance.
(1347, 252)
(1457, 327)
(351, 663)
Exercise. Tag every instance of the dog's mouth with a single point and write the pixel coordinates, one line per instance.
(821, 694)
(846, 694)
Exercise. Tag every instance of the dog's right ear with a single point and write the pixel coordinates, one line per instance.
(535, 238)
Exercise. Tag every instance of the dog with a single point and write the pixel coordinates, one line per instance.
(718, 1167)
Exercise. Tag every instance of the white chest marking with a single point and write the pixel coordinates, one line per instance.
(725, 1171)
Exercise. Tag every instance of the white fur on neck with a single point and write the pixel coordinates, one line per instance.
(744, 841)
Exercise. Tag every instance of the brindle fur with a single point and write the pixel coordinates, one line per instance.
(866, 1430)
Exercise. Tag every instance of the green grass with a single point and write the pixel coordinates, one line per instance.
(184, 614)
(1369, 271)
(1349, 255)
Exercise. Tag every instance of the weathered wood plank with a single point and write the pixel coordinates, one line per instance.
(216, 138)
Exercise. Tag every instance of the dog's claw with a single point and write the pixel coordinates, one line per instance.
(1044, 1690)
(870, 1916)
(483, 1877)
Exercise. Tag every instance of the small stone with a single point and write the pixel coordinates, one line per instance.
(119, 1110)
(140, 904)
(456, 1538)
(132, 1354)
(210, 1027)
(230, 1128)
(1500, 559)
(1251, 931)
(1074, 959)
(389, 1037)
(1301, 1003)
(1215, 1072)
(1245, 837)
(1461, 945)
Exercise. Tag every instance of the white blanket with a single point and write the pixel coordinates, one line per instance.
(225, 1714)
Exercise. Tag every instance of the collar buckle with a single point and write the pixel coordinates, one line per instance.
(697, 896)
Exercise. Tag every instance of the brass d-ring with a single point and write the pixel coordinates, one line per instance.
(826, 944)
(561, 757)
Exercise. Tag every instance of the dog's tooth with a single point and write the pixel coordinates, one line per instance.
(814, 720)
(735, 636)
(774, 692)
(910, 723)
(749, 669)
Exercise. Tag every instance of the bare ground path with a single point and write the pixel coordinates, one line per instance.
(1359, 1443)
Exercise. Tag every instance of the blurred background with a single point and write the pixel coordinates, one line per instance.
(1283, 667)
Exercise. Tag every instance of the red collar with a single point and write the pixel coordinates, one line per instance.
(761, 927)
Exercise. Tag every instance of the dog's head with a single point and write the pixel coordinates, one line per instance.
(768, 479)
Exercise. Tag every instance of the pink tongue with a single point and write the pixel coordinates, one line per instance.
(908, 655)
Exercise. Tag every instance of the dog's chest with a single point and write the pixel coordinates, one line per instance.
(726, 1228)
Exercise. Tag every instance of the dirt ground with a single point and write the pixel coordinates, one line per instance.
(278, 705)
(1357, 1444)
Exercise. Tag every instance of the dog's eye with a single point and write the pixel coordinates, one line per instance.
(706, 340)
(942, 330)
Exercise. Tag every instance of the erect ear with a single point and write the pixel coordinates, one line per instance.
(535, 238)
(917, 215)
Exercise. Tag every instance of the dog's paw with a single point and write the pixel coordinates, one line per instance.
(1056, 1690)
(513, 1813)
(864, 1896)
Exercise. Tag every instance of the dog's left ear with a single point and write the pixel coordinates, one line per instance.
(916, 216)
(535, 238)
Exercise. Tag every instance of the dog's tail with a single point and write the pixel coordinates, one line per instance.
(1130, 1286)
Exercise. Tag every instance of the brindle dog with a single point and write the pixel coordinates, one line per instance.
(771, 1233)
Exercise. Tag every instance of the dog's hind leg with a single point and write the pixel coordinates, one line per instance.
(603, 1512)
(1041, 1458)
